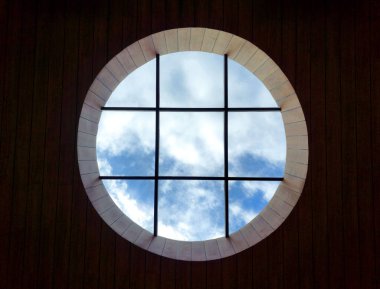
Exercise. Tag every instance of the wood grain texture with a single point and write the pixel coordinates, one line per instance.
(51, 173)
(37, 154)
(364, 153)
(349, 136)
(375, 124)
(51, 234)
(20, 87)
(302, 86)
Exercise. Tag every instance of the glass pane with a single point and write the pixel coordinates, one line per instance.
(247, 200)
(245, 89)
(256, 144)
(137, 89)
(135, 198)
(125, 144)
(191, 144)
(191, 210)
(191, 79)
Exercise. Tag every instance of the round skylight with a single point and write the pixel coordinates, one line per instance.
(193, 155)
(190, 88)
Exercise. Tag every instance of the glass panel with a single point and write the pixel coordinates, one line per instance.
(247, 200)
(191, 79)
(191, 143)
(135, 198)
(137, 89)
(191, 210)
(125, 144)
(245, 89)
(256, 144)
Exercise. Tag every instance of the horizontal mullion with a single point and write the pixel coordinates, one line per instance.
(255, 178)
(126, 177)
(258, 109)
(128, 108)
(191, 178)
(194, 109)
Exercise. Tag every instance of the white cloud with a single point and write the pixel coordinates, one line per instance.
(239, 214)
(191, 79)
(268, 189)
(138, 210)
(259, 134)
(104, 166)
(132, 91)
(191, 210)
(121, 131)
(245, 89)
(191, 144)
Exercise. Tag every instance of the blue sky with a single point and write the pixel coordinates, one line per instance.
(191, 144)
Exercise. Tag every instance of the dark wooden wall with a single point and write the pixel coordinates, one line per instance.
(51, 237)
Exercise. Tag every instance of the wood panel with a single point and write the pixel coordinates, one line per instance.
(183, 275)
(375, 125)
(51, 235)
(168, 275)
(9, 84)
(158, 16)
(302, 86)
(144, 23)
(51, 170)
(215, 15)
(21, 169)
(187, 13)
(67, 147)
(201, 10)
(363, 144)
(333, 145)
(173, 14)
(318, 145)
(3, 50)
(37, 150)
(260, 268)
(349, 161)
(130, 23)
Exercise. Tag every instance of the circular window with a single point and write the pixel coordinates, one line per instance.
(185, 157)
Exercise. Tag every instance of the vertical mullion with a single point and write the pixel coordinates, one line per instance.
(226, 145)
(157, 151)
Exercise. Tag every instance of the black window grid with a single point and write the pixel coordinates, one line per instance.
(226, 178)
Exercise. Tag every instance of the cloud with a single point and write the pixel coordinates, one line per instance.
(191, 210)
(187, 210)
(137, 206)
(245, 89)
(121, 131)
(132, 91)
(259, 134)
(191, 79)
(240, 215)
(190, 144)
(266, 188)
(104, 166)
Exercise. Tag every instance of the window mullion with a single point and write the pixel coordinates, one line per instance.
(157, 144)
(226, 145)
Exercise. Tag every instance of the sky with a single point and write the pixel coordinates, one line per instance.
(191, 144)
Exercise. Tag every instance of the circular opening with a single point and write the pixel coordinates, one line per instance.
(220, 135)
(204, 146)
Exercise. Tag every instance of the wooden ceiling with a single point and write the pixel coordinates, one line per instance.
(51, 236)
